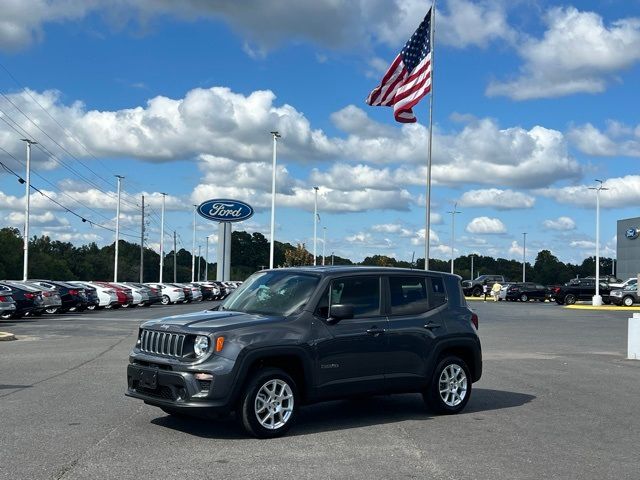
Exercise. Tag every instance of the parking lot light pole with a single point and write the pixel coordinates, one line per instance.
(453, 231)
(193, 246)
(199, 261)
(276, 135)
(324, 242)
(162, 236)
(315, 226)
(206, 260)
(524, 256)
(471, 267)
(26, 210)
(597, 299)
(115, 257)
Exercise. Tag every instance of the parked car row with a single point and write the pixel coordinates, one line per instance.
(612, 290)
(35, 297)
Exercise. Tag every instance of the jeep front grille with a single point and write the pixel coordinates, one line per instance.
(162, 343)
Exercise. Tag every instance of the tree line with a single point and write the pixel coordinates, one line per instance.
(57, 260)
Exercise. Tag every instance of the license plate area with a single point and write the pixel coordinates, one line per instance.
(148, 378)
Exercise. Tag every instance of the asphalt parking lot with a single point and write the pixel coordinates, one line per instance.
(557, 400)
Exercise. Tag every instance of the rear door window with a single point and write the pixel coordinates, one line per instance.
(408, 295)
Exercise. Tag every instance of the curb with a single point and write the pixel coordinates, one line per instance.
(614, 308)
(5, 336)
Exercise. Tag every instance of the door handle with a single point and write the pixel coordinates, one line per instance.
(376, 331)
(432, 326)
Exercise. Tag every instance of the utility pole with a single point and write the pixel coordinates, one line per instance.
(25, 268)
(175, 259)
(315, 226)
(162, 236)
(199, 261)
(193, 245)
(524, 256)
(453, 231)
(471, 267)
(276, 135)
(142, 244)
(117, 244)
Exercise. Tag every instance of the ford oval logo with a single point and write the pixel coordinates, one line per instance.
(225, 210)
(632, 233)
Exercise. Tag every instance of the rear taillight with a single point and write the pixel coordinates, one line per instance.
(4, 299)
(177, 290)
(474, 320)
(29, 295)
(73, 292)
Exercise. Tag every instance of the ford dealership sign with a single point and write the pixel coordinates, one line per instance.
(632, 233)
(225, 210)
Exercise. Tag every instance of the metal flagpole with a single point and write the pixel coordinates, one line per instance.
(276, 135)
(427, 232)
(315, 226)
(162, 237)
(25, 269)
(142, 244)
(117, 243)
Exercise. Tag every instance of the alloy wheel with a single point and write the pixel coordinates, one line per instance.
(273, 405)
(452, 385)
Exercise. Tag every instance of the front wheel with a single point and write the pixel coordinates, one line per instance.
(627, 301)
(51, 310)
(166, 300)
(476, 292)
(450, 387)
(570, 299)
(269, 403)
(524, 297)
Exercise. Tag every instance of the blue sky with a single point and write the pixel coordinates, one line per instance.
(533, 101)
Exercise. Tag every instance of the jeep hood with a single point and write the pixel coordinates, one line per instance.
(213, 320)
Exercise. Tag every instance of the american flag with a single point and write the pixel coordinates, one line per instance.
(408, 79)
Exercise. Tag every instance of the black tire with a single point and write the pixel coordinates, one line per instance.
(476, 292)
(248, 415)
(166, 300)
(627, 301)
(524, 297)
(91, 307)
(433, 398)
(6, 315)
(52, 310)
(569, 299)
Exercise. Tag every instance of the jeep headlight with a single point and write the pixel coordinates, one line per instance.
(201, 346)
(616, 293)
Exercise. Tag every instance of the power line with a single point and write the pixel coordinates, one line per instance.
(68, 210)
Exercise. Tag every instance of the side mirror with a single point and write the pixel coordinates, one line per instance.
(339, 312)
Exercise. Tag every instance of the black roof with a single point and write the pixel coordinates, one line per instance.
(338, 269)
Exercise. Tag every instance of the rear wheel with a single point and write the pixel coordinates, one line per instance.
(91, 307)
(269, 403)
(166, 300)
(450, 387)
(627, 301)
(51, 310)
(570, 299)
(476, 292)
(524, 297)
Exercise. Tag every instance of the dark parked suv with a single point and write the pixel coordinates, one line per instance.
(293, 336)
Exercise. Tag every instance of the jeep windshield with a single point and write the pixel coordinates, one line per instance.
(272, 293)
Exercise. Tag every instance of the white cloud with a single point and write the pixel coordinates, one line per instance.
(496, 198)
(516, 250)
(622, 192)
(338, 24)
(617, 139)
(486, 225)
(560, 224)
(578, 53)
(585, 244)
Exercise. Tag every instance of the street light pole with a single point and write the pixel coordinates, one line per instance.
(25, 268)
(199, 260)
(453, 231)
(597, 299)
(315, 226)
(524, 256)
(324, 242)
(206, 260)
(471, 267)
(162, 236)
(115, 258)
(276, 135)
(193, 246)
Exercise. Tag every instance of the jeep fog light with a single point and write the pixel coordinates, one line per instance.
(201, 345)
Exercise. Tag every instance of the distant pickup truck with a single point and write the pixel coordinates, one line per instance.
(474, 287)
(580, 289)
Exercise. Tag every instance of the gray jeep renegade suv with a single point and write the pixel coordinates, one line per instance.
(294, 336)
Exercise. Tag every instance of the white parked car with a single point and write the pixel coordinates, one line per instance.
(140, 296)
(630, 283)
(195, 291)
(106, 296)
(170, 293)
